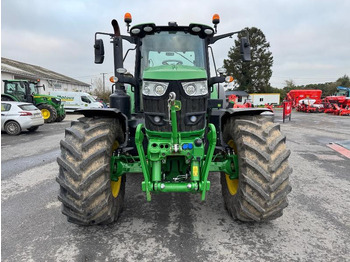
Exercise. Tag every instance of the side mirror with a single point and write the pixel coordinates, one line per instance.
(245, 50)
(99, 51)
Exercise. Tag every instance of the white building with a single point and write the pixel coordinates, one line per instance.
(11, 69)
(242, 96)
(262, 99)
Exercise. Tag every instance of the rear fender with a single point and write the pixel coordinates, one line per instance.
(12, 98)
(109, 113)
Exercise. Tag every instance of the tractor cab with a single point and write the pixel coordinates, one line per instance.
(21, 90)
(172, 60)
(343, 91)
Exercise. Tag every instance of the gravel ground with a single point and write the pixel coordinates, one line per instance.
(179, 227)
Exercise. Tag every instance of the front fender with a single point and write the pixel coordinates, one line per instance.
(250, 111)
(224, 114)
(109, 113)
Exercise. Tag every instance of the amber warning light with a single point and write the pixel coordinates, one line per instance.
(127, 18)
(216, 19)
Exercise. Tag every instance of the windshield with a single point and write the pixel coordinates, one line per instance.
(172, 48)
(91, 98)
(341, 92)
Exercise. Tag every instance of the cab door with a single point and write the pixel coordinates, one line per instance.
(86, 101)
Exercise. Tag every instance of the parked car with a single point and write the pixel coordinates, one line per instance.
(17, 116)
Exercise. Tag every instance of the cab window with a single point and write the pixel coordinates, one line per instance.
(85, 99)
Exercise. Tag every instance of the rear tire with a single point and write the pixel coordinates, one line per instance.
(84, 173)
(49, 112)
(260, 194)
(13, 128)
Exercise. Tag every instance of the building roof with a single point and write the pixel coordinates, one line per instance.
(237, 93)
(24, 70)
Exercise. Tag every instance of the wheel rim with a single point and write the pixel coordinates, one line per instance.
(12, 128)
(115, 185)
(232, 184)
(45, 113)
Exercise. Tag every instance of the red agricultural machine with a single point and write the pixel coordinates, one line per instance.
(338, 104)
(310, 101)
(306, 100)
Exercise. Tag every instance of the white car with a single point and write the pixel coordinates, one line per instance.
(17, 116)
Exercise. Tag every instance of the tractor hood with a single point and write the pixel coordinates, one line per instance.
(45, 96)
(174, 72)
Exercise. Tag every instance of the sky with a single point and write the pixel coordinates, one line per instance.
(309, 39)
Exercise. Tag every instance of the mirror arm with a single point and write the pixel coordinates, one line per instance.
(101, 33)
(126, 80)
(130, 39)
(212, 56)
(216, 79)
(216, 38)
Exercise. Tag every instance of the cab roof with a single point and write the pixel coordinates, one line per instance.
(142, 30)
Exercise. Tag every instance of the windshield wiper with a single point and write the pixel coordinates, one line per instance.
(184, 57)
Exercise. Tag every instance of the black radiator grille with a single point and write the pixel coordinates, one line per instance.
(190, 105)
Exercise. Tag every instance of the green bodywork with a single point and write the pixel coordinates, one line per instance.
(21, 89)
(174, 163)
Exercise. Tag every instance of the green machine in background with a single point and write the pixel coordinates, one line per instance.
(28, 91)
(168, 123)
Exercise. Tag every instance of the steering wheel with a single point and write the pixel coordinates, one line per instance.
(166, 62)
(19, 94)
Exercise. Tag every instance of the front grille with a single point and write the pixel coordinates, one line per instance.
(190, 105)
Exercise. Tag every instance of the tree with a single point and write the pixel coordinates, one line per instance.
(343, 81)
(99, 92)
(252, 76)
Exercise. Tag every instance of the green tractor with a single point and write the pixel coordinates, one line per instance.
(175, 132)
(28, 91)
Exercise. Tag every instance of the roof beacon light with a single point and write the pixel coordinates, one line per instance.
(127, 20)
(216, 20)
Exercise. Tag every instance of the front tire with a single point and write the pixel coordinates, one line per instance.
(49, 113)
(260, 193)
(87, 194)
(61, 117)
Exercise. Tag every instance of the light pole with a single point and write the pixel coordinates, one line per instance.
(103, 74)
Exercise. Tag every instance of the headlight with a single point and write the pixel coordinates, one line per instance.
(198, 88)
(150, 88)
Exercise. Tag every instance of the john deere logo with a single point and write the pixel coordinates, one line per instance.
(177, 105)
